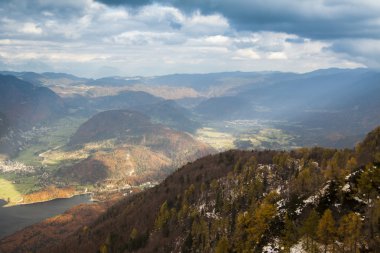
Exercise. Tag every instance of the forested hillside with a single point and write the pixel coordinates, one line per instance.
(310, 199)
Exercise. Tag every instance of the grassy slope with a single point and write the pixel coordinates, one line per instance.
(8, 191)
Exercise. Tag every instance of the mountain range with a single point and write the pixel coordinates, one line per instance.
(119, 136)
(299, 104)
(25, 105)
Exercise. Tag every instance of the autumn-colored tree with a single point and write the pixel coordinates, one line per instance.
(372, 227)
(222, 246)
(365, 184)
(238, 166)
(103, 248)
(136, 240)
(352, 164)
(309, 230)
(336, 166)
(134, 234)
(200, 234)
(260, 222)
(349, 231)
(289, 235)
(326, 230)
(241, 234)
(283, 162)
(308, 181)
(163, 216)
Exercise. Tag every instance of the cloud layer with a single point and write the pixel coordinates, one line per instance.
(317, 19)
(144, 37)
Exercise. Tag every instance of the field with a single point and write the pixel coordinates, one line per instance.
(58, 156)
(218, 140)
(269, 138)
(55, 136)
(245, 134)
(8, 191)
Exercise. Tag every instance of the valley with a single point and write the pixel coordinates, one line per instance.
(262, 200)
(246, 134)
(190, 126)
(17, 217)
(166, 134)
(122, 143)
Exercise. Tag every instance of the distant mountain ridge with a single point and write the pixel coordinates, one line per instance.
(328, 107)
(169, 113)
(135, 149)
(3, 125)
(25, 105)
(111, 124)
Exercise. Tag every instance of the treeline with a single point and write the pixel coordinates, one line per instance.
(324, 199)
(317, 199)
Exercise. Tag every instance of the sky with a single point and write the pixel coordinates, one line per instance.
(154, 37)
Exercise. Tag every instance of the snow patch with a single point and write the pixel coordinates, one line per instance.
(346, 188)
(272, 247)
(297, 248)
(360, 200)
(311, 200)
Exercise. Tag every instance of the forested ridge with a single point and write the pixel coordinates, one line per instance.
(309, 199)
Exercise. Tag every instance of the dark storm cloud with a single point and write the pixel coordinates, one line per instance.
(361, 50)
(312, 19)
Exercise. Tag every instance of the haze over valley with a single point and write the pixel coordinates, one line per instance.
(165, 126)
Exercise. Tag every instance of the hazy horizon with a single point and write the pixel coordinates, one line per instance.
(188, 73)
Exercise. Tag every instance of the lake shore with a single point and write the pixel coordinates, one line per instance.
(16, 218)
(13, 204)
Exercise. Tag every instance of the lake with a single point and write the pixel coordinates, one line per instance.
(15, 218)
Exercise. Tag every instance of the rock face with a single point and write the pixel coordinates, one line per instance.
(239, 201)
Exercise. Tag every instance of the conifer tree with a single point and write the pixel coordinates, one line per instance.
(222, 246)
(163, 216)
(309, 230)
(260, 222)
(289, 235)
(349, 231)
(326, 230)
